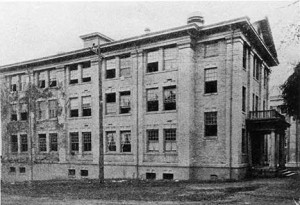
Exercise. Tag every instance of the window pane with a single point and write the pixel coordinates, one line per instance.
(24, 82)
(210, 120)
(74, 141)
(86, 72)
(111, 141)
(87, 141)
(110, 64)
(152, 100)
(152, 56)
(170, 98)
(42, 143)
(74, 103)
(125, 141)
(152, 141)
(53, 141)
(170, 140)
(170, 58)
(211, 74)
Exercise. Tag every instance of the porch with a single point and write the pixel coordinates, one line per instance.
(266, 131)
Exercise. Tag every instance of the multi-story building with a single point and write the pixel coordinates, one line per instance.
(292, 134)
(183, 103)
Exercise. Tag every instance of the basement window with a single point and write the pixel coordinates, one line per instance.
(22, 169)
(12, 169)
(150, 175)
(168, 176)
(71, 172)
(84, 173)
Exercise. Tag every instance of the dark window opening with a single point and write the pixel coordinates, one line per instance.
(42, 83)
(86, 64)
(84, 173)
(86, 79)
(244, 142)
(210, 121)
(71, 172)
(245, 56)
(53, 142)
(23, 115)
(87, 141)
(74, 113)
(42, 143)
(13, 117)
(170, 98)
(168, 176)
(13, 87)
(14, 143)
(52, 83)
(111, 73)
(150, 175)
(24, 143)
(211, 87)
(74, 141)
(12, 169)
(111, 98)
(22, 169)
(244, 99)
(152, 67)
(74, 81)
(86, 112)
(152, 106)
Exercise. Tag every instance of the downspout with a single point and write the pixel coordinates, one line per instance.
(30, 133)
(230, 108)
(137, 113)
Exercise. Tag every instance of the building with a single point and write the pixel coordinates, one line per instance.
(292, 134)
(184, 103)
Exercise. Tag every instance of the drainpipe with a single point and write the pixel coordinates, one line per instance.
(230, 115)
(137, 113)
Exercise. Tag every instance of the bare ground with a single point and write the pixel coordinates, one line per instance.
(256, 191)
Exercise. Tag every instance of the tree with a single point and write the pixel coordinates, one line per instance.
(291, 93)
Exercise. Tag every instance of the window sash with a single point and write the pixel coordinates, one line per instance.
(86, 72)
(152, 94)
(125, 100)
(53, 142)
(152, 56)
(14, 79)
(210, 74)
(74, 74)
(87, 141)
(52, 75)
(74, 141)
(170, 95)
(42, 75)
(111, 141)
(86, 102)
(42, 143)
(74, 103)
(111, 64)
(211, 118)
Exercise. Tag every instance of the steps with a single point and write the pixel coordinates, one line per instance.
(286, 173)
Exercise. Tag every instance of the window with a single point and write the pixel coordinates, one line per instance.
(52, 108)
(13, 115)
(111, 141)
(170, 98)
(24, 82)
(110, 68)
(24, 143)
(125, 66)
(170, 140)
(14, 143)
(152, 141)
(152, 100)
(84, 173)
(22, 169)
(42, 110)
(52, 77)
(42, 79)
(256, 102)
(211, 80)
(170, 58)
(111, 107)
(42, 143)
(14, 83)
(53, 142)
(211, 49)
(74, 141)
(152, 61)
(125, 141)
(12, 169)
(87, 141)
(71, 172)
(244, 99)
(254, 66)
(264, 105)
(265, 78)
(245, 55)
(74, 74)
(168, 176)
(258, 68)
(150, 175)
(244, 141)
(210, 120)
(125, 102)
(86, 106)
(24, 111)
(86, 72)
(74, 107)
(253, 102)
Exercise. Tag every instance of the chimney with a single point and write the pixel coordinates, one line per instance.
(196, 17)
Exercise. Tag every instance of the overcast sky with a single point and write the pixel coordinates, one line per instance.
(36, 29)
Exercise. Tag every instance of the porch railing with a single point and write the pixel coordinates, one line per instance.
(265, 114)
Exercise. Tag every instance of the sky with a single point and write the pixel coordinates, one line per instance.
(35, 29)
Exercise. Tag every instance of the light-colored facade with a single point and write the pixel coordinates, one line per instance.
(292, 134)
(175, 105)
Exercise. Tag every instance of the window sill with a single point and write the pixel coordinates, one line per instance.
(118, 115)
(82, 83)
(119, 153)
(162, 153)
(210, 94)
(211, 56)
(118, 78)
(211, 138)
(161, 112)
(79, 118)
(161, 71)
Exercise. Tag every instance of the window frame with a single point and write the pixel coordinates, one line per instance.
(111, 143)
(53, 142)
(214, 46)
(53, 111)
(110, 71)
(211, 125)
(111, 101)
(173, 104)
(154, 139)
(42, 140)
(74, 142)
(244, 97)
(86, 141)
(86, 68)
(211, 83)
(86, 108)
(148, 102)
(127, 61)
(42, 112)
(23, 143)
(52, 78)
(14, 146)
(171, 141)
(73, 71)
(124, 145)
(73, 113)
(125, 109)
(152, 64)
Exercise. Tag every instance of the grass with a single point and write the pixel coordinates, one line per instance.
(142, 190)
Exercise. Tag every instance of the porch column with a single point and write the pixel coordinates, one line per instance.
(272, 150)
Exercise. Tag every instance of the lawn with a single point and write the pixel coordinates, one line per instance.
(258, 191)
